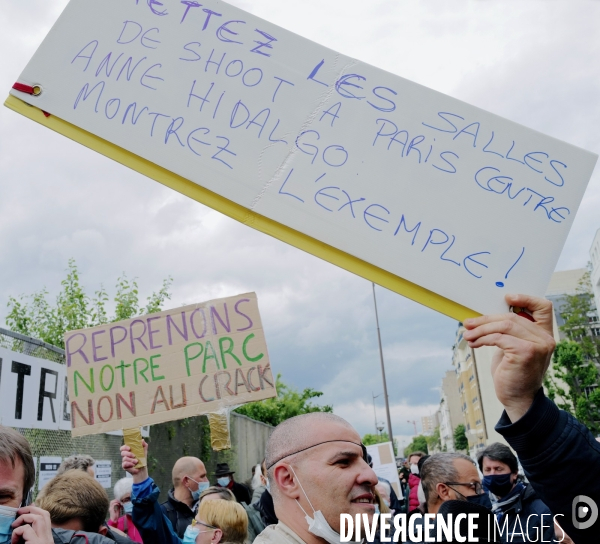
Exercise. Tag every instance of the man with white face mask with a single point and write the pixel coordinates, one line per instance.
(317, 470)
(17, 474)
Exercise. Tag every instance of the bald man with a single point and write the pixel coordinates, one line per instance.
(189, 480)
(317, 470)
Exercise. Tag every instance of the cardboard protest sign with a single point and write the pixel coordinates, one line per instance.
(169, 365)
(441, 201)
(384, 465)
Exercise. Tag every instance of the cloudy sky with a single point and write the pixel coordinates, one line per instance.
(534, 62)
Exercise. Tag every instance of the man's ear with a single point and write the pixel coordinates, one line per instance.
(217, 536)
(103, 530)
(443, 492)
(286, 481)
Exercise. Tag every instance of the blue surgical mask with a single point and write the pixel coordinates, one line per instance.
(128, 507)
(190, 535)
(7, 516)
(499, 484)
(224, 481)
(202, 486)
(377, 509)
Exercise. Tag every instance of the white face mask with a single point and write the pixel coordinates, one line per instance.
(414, 469)
(317, 525)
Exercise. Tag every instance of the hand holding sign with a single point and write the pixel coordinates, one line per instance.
(526, 348)
(130, 463)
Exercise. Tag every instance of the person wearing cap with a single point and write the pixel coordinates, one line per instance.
(224, 476)
(317, 470)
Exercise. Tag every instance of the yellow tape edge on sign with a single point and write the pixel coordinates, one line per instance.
(239, 213)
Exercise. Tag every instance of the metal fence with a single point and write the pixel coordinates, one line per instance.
(61, 443)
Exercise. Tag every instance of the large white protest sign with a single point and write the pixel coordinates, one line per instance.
(375, 173)
(33, 392)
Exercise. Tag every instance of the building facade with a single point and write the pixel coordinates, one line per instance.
(429, 424)
(450, 415)
(595, 274)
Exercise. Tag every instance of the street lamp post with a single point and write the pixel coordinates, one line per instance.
(385, 393)
(374, 411)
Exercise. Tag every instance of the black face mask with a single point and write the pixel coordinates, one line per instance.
(482, 500)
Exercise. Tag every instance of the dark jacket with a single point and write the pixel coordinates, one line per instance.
(66, 536)
(180, 514)
(241, 492)
(148, 516)
(561, 460)
(539, 528)
(267, 509)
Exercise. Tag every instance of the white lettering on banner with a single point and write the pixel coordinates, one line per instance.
(33, 392)
(443, 194)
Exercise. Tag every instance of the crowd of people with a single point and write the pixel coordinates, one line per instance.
(316, 469)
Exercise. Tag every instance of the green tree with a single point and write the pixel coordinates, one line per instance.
(434, 442)
(582, 399)
(288, 403)
(461, 442)
(575, 361)
(419, 443)
(369, 439)
(34, 315)
(576, 312)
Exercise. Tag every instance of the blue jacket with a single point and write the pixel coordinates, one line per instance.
(561, 459)
(539, 528)
(148, 516)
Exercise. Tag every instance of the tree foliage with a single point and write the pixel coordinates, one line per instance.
(419, 443)
(434, 442)
(288, 403)
(34, 315)
(575, 360)
(369, 439)
(461, 442)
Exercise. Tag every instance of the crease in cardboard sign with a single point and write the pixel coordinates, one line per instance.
(292, 152)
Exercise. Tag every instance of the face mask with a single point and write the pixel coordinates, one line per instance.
(7, 516)
(499, 484)
(377, 509)
(414, 469)
(482, 500)
(386, 502)
(190, 535)
(202, 486)
(318, 525)
(128, 507)
(223, 482)
(268, 486)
